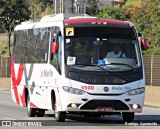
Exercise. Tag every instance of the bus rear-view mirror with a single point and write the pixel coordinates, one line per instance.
(55, 47)
(144, 44)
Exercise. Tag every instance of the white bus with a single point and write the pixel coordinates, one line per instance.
(69, 64)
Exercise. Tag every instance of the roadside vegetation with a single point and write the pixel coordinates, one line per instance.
(3, 48)
(145, 16)
(133, 2)
(3, 44)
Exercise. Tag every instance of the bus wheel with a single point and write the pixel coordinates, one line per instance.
(30, 111)
(128, 116)
(40, 112)
(60, 116)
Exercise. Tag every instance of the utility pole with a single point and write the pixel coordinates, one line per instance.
(62, 6)
(113, 4)
(72, 5)
(55, 6)
(77, 6)
(85, 5)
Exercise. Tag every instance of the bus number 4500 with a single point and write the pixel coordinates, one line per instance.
(87, 87)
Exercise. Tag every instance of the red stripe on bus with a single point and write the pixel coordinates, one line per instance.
(16, 80)
(22, 97)
(32, 105)
(95, 20)
(16, 94)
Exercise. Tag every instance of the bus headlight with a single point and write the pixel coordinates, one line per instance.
(136, 91)
(73, 90)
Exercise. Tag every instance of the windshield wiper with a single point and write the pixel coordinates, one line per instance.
(94, 65)
(120, 64)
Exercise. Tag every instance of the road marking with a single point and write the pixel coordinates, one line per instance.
(152, 108)
(8, 118)
(4, 101)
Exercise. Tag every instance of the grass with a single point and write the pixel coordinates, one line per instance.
(2, 34)
(132, 2)
(3, 45)
(3, 48)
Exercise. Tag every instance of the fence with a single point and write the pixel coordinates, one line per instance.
(5, 66)
(152, 69)
(151, 65)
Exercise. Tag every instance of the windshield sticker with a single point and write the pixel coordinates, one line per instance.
(70, 31)
(68, 40)
(101, 62)
(71, 60)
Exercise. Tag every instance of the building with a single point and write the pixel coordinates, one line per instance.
(78, 6)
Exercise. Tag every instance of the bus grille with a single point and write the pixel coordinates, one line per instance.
(94, 104)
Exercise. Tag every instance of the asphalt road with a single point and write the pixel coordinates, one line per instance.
(13, 113)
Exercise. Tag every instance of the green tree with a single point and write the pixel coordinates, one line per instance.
(39, 8)
(147, 20)
(117, 13)
(93, 7)
(12, 12)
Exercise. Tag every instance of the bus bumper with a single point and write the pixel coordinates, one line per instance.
(102, 103)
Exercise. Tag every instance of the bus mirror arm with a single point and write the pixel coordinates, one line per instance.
(55, 47)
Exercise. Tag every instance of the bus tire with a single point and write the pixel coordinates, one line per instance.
(30, 111)
(40, 112)
(128, 116)
(60, 116)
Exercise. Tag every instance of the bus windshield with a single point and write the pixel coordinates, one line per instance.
(117, 46)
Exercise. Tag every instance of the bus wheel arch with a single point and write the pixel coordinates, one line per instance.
(53, 99)
(59, 115)
(30, 111)
(26, 95)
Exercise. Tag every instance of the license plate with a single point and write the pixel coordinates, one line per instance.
(105, 109)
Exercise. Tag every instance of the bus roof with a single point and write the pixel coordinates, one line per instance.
(69, 19)
(63, 16)
(96, 21)
(82, 19)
